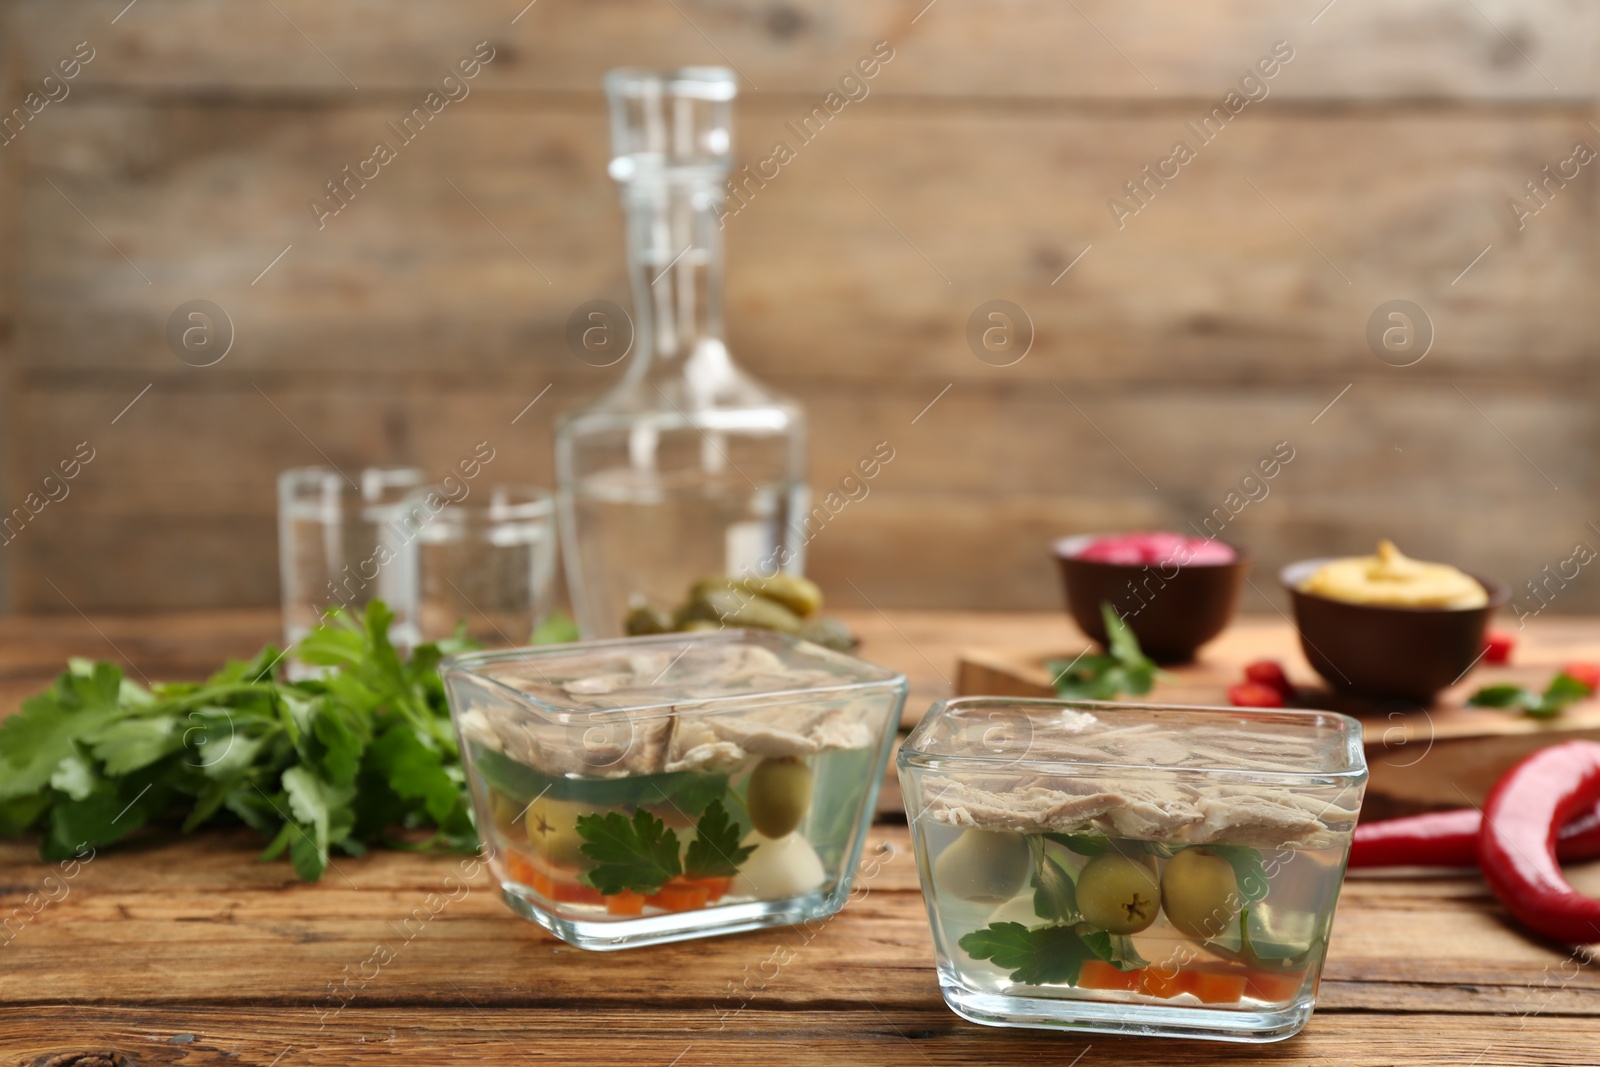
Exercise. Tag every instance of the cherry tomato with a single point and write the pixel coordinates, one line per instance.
(1254, 695)
(1497, 647)
(1270, 673)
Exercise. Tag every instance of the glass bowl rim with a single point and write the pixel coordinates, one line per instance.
(913, 757)
(465, 665)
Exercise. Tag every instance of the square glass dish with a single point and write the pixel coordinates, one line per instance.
(654, 789)
(1125, 868)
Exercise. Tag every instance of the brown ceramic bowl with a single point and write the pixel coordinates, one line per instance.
(1388, 652)
(1172, 611)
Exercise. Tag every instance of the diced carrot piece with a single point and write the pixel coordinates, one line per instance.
(522, 870)
(716, 888)
(549, 884)
(1217, 987)
(1097, 974)
(1274, 985)
(573, 893)
(626, 902)
(1159, 982)
(680, 897)
(1209, 985)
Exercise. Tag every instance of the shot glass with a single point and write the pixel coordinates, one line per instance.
(1138, 869)
(485, 559)
(339, 545)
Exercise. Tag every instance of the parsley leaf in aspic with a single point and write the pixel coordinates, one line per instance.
(638, 855)
(715, 851)
(1047, 956)
(1054, 896)
(1115, 949)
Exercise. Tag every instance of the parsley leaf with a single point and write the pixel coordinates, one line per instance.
(1115, 949)
(1563, 691)
(556, 629)
(640, 855)
(1082, 844)
(1055, 898)
(1248, 871)
(1123, 668)
(35, 741)
(1045, 956)
(1501, 696)
(715, 851)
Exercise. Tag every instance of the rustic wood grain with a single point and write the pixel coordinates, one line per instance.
(1209, 283)
(196, 931)
(1223, 317)
(1534, 50)
(172, 949)
(851, 1034)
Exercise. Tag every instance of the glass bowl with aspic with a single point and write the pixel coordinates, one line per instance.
(646, 790)
(1144, 869)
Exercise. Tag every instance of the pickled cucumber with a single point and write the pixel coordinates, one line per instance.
(647, 620)
(734, 608)
(800, 595)
(829, 633)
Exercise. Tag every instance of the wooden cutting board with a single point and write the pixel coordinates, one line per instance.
(1446, 755)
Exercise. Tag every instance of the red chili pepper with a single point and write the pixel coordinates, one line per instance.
(1450, 839)
(1517, 844)
(1586, 673)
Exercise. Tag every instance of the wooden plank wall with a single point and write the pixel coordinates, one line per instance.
(1187, 340)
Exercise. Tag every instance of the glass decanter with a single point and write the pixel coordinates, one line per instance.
(688, 468)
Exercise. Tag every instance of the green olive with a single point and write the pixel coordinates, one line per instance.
(1118, 894)
(779, 796)
(1200, 893)
(694, 626)
(986, 866)
(504, 811)
(552, 827)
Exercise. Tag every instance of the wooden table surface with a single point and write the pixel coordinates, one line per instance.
(188, 951)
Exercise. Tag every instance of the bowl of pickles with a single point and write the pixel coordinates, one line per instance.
(652, 789)
(1138, 869)
(782, 603)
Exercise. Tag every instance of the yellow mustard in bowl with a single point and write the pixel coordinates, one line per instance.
(1390, 579)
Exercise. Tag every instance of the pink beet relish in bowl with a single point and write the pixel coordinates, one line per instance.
(1174, 592)
(1158, 547)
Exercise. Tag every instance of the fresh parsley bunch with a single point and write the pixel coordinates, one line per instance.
(363, 755)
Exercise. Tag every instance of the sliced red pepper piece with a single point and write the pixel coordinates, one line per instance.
(1450, 839)
(1517, 844)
